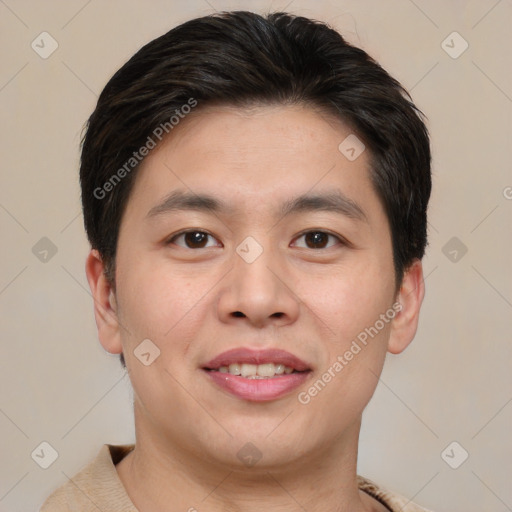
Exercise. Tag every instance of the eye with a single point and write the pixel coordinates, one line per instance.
(193, 239)
(318, 240)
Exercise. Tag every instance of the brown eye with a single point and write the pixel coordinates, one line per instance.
(196, 239)
(192, 239)
(318, 240)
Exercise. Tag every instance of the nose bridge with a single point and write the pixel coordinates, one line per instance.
(255, 290)
(252, 270)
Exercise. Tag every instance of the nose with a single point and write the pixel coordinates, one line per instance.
(258, 293)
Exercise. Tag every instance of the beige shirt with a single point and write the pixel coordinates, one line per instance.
(98, 487)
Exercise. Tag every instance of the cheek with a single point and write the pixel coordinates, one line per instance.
(158, 302)
(349, 375)
(350, 303)
(349, 299)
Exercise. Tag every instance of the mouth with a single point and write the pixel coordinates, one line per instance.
(257, 375)
(255, 371)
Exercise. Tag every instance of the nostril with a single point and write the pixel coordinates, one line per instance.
(277, 315)
(238, 314)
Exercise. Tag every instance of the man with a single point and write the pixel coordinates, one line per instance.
(255, 191)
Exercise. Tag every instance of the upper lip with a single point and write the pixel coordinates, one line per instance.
(254, 356)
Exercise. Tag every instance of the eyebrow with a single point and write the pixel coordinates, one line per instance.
(335, 201)
(178, 200)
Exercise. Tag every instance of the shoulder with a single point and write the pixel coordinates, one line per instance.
(394, 502)
(96, 486)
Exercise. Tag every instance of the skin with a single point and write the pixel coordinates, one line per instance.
(194, 303)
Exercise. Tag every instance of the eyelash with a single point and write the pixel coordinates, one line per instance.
(340, 239)
(183, 233)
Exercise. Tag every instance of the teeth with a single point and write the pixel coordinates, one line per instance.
(279, 369)
(266, 370)
(234, 369)
(256, 371)
(248, 370)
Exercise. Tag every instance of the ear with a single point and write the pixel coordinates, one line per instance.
(410, 296)
(105, 307)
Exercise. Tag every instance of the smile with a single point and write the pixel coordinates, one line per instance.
(257, 375)
(257, 371)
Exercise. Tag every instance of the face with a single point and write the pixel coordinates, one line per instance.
(251, 240)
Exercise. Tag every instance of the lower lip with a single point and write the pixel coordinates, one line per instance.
(258, 390)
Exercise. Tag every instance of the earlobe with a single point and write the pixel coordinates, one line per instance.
(105, 304)
(410, 297)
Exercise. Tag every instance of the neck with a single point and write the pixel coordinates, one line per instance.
(162, 476)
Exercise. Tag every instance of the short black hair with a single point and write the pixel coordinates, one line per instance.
(244, 59)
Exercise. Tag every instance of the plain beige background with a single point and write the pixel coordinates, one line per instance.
(453, 383)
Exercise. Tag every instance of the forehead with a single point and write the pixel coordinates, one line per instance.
(260, 133)
(254, 159)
